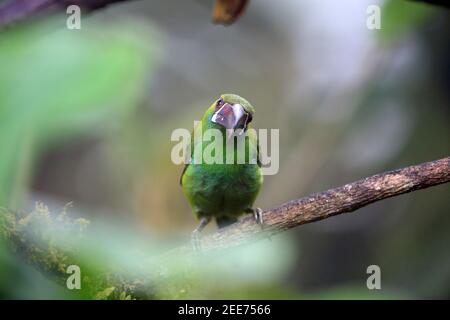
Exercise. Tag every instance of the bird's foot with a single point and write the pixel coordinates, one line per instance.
(257, 214)
(196, 241)
(195, 238)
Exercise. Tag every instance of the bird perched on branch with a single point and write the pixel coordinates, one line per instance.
(216, 181)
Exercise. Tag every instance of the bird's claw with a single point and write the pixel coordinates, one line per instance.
(195, 238)
(196, 241)
(257, 214)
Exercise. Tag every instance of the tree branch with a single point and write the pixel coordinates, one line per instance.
(322, 205)
(16, 10)
(37, 236)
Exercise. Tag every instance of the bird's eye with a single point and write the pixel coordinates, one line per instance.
(249, 118)
(219, 103)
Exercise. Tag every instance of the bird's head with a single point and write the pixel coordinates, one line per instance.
(231, 112)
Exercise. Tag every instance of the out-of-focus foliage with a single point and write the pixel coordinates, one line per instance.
(129, 266)
(57, 84)
(399, 17)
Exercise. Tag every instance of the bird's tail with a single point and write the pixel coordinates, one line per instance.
(223, 222)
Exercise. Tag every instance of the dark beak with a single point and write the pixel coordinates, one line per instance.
(229, 116)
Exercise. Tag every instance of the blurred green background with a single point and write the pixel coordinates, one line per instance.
(86, 117)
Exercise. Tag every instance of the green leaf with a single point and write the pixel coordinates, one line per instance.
(104, 294)
(58, 84)
(400, 17)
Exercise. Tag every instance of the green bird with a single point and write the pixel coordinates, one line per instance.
(227, 187)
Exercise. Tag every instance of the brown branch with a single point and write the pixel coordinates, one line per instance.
(322, 205)
(225, 11)
(12, 11)
(24, 235)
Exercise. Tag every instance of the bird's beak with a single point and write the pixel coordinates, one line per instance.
(229, 116)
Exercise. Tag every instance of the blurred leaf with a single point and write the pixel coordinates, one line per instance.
(123, 264)
(228, 11)
(56, 84)
(399, 17)
(103, 295)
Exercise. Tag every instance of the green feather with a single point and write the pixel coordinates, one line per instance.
(222, 190)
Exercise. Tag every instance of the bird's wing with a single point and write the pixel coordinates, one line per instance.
(253, 138)
(182, 173)
(191, 146)
(257, 153)
(187, 160)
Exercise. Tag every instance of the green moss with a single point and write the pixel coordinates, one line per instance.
(51, 243)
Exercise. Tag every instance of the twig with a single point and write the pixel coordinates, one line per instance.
(322, 205)
(16, 10)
